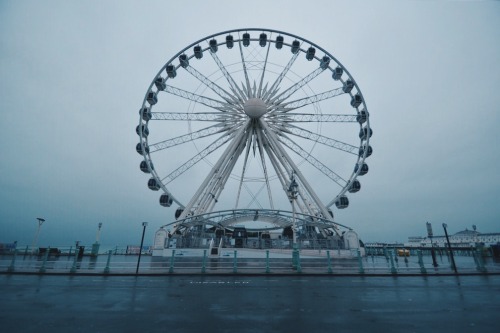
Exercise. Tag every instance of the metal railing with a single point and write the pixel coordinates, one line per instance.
(241, 262)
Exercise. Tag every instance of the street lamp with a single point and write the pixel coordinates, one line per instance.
(293, 190)
(40, 222)
(96, 245)
(433, 254)
(449, 248)
(144, 225)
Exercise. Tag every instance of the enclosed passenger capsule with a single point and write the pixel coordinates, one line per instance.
(348, 85)
(262, 39)
(365, 133)
(144, 166)
(364, 169)
(356, 100)
(142, 130)
(246, 39)
(213, 45)
(324, 63)
(183, 59)
(355, 187)
(165, 200)
(152, 98)
(369, 151)
(362, 116)
(160, 83)
(342, 202)
(337, 73)
(197, 52)
(295, 46)
(279, 42)
(138, 149)
(171, 72)
(310, 53)
(178, 212)
(229, 41)
(145, 113)
(153, 184)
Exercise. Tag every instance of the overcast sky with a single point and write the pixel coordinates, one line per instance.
(73, 75)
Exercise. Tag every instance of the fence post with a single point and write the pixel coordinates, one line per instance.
(73, 268)
(171, 269)
(13, 262)
(299, 267)
(267, 261)
(421, 262)
(330, 271)
(204, 263)
(106, 269)
(480, 263)
(235, 262)
(360, 262)
(393, 269)
(42, 269)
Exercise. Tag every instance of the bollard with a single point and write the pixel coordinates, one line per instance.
(106, 269)
(330, 271)
(235, 262)
(171, 269)
(393, 269)
(421, 262)
(204, 263)
(73, 268)
(267, 262)
(42, 269)
(360, 262)
(13, 262)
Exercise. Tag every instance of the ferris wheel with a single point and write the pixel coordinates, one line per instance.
(237, 118)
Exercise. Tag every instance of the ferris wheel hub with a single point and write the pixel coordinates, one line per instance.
(255, 108)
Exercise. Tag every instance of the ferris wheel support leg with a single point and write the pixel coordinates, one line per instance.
(214, 170)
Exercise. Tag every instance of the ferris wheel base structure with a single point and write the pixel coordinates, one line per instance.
(256, 229)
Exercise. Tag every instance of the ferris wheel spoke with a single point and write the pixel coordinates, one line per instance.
(290, 91)
(275, 87)
(293, 105)
(198, 116)
(229, 98)
(292, 168)
(233, 86)
(247, 80)
(259, 95)
(279, 118)
(202, 133)
(212, 103)
(313, 161)
(198, 157)
(302, 133)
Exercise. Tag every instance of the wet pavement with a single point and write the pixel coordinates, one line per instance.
(202, 303)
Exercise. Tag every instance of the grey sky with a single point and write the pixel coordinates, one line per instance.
(73, 75)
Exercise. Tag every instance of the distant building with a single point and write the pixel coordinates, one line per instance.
(465, 238)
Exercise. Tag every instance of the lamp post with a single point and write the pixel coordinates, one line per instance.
(433, 254)
(292, 196)
(40, 222)
(96, 245)
(449, 248)
(144, 225)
